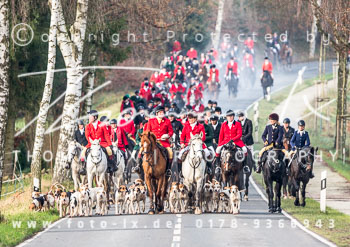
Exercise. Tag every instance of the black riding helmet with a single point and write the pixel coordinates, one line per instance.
(286, 120)
(301, 123)
(93, 113)
(113, 121)
(104, 118)
(80, 122)
(160, 108)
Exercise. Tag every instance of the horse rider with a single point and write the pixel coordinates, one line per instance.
(126, 103)
(118, 135)
(209, 138)
(232, 66)
(213, 75)
(163, 130)
(288, 131)
(300, 139)
(194, 127)
(95, 130)
(137, 147)
(247, 131)
(177, 127)
(231, 130)
(248, 60)
(79, 134)
(267, 67)
(218, 112)
(272, 138)
(214, 123)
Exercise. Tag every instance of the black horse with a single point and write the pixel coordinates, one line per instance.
(266, 83)
(179, 100)
(250, 163)
(274, 170)
(300, 169)
(232, 84)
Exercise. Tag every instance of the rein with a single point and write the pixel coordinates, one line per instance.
(100, 155)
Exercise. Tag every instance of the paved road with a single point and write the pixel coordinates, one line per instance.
(254, 226)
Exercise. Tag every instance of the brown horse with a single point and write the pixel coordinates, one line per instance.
(231, 166)
(154, 164)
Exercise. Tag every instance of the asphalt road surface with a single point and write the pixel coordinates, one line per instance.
(254, 226)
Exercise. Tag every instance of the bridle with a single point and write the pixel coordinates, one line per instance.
(74, 155)
(150, 153)
(99, 156)
(192, 163)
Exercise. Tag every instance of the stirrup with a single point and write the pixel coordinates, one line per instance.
(168, 173)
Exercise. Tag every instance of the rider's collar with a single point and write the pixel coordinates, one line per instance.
(301, 132)
(194, 124)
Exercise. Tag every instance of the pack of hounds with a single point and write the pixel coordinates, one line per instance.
(132, 199)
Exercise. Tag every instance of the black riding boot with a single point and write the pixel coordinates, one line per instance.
(258, 169)
(138, 165)
(245, 167)
(168, 168)
(209, 169)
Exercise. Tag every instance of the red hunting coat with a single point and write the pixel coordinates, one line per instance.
(128, 126)
(233, 66)
(100, 132)
(119, 135)
(159, 129)
(267, 67)
(187, 130)
(216, 75)
(234, 133)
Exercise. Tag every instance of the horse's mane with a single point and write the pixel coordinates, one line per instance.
(150, 135)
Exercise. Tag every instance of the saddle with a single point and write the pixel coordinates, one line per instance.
(163, 150)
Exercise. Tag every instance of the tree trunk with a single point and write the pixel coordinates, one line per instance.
(72, 51)
(90, 80)
(342, 102)
(9, 139)
(314, 33)
(4, 78)
(45, 102)
(219, 24)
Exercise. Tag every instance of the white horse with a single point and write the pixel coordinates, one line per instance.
(96, 163)
(193, 170)
(74, 150)
(118, 177)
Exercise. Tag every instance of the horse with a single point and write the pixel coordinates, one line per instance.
(73, 162)
(286, 180)
(300, 167)
(251, 165)
(154, 167)
(231, 165)
(96, 163)
(274, 170)
(232, 84)
(118, 176)
(266, 83)
(193, 170)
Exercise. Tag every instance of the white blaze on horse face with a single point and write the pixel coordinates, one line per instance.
(145, 145)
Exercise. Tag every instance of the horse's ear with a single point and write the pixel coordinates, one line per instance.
(316, 150)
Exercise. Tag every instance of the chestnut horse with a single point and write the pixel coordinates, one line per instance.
(154, 165)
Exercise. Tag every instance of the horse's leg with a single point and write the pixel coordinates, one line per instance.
(159, 193)
(89, 175)
(150, 193)
(246, 185)
(296, 202)
(278, 188)
(303, 189)
(199, 186)
(285, 181)
(269, 192)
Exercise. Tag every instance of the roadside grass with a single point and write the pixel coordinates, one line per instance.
(15, 208)
(310, 215)
(332, 225)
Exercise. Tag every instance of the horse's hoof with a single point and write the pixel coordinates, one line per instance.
(296, 203)
(245, 198)
(161, 212)
(279, 210)
(270, 210)
(285, 197)
(151, 211)
(303, 204)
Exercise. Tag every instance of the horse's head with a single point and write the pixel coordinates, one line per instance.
(196, 144)
(286, 144)
(95, 151)
(148, 141)
(74, 149)
(306, 157)
(273, 161)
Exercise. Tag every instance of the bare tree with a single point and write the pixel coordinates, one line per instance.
(332, 20)
(45, 102)
(71, 46)
(219, 24)
(4, 77)
(314, 32)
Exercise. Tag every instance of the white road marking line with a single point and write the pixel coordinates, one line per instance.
(297, 223)
(177, 232)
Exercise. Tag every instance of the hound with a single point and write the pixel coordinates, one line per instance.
(174, 197)
(183, 197)
(120, 198)
(235, 199)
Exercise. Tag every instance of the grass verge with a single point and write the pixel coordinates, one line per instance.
(333, 224)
